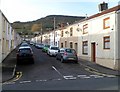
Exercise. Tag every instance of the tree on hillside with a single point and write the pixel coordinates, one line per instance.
(36, 27)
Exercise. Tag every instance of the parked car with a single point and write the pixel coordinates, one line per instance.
(39, 46)
(24, 44)
(67, 54)
(25, 55)
(31, 43)
(52, 50)
(45, 48)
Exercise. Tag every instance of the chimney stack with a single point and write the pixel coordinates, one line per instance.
(103, 6)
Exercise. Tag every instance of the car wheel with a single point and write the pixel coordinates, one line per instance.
(76, 61)
(32, 62)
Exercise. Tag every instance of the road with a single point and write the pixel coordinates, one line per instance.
(50, 74)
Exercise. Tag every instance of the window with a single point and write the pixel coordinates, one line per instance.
(106, 42)
(65, 43)
(85, 29)
(106, 23)
(61, 45)
(62, 34)
(55, 34)
(55, 43)
(85, 47)
(8, 29)
(71, 31)
(71, 45)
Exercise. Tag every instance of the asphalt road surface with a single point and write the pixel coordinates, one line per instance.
(50, 74)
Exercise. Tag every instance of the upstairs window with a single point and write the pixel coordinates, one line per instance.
(62, 34)
(71, 31)
(106, 23)
(55, 34)
(85, 29)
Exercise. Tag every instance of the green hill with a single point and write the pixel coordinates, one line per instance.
(47, 22)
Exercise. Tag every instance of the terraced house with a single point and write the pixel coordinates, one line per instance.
(96, 38)
(9, 39)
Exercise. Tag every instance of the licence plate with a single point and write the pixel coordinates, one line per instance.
(71, 58)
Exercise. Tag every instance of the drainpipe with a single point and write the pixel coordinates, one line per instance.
(115, 28)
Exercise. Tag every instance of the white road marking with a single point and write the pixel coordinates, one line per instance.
(81, 75)
(87, 77)
(57, 79)
(69, 77)
(25, 81)
(97, 76)
(57, 71)
(111, 76)
(40, 80)
(9, 83)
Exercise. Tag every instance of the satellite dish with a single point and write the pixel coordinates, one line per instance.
(79, 29)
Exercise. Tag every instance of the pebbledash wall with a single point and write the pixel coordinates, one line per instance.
(99, 41)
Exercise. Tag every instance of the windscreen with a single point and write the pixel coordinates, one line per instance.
(70, 51)
(54, 48)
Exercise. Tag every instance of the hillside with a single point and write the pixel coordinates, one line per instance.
(47, 22)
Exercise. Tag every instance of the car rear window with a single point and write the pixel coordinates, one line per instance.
(24, 45)
(25, 51)
(70, 51)
(54, 48)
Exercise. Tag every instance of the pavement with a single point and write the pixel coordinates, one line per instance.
(9, 65)
(98, 68)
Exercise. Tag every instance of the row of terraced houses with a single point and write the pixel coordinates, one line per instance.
(95, 38)
(9, 39)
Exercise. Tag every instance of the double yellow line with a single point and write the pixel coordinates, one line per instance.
(18, 75)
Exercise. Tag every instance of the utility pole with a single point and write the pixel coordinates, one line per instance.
(54, 30)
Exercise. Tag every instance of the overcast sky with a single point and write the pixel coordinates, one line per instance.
(29, 10)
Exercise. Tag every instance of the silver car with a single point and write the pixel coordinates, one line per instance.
(52, 50)
(67, 54)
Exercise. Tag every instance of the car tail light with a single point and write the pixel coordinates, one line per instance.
(65, 53)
